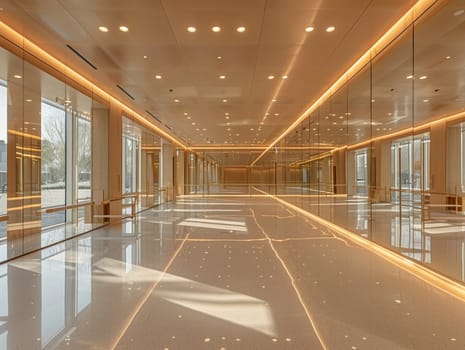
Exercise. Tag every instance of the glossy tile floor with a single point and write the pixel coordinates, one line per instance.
(225, 273)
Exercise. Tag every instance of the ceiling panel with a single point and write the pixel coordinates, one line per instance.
(275, 43)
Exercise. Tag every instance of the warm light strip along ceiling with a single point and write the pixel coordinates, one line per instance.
(395, 135)
(28, 46)
(403, 23)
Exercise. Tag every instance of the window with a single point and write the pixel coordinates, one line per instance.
(84, 159)
(53, 165)
(129, 165)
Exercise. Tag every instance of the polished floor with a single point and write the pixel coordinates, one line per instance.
(224, 273)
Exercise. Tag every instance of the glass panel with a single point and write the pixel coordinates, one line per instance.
(358, 153)
(392, 100)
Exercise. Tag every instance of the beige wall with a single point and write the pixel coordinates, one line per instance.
(235, 175)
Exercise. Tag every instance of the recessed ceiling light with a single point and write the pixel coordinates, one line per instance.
(191, 29)
(423, 77)
(158, 76)
(225, 100)
(103, 29)
(222, 77)
(219, 57)
(241, 29)
(284, 77)
(448, 57)
(273, 100)
(124, 29)
(216, 29)
(145, 57)
(185, 113)
(226, 117)
(189, 118)
(28, 100)
(226, 113)
(330, 29)
(193, 123)
(271, 77)
(459, 12)
(176, 100)
(409, 77)
(276, 114)
(309, 29)
(425, 100)
(17, 76)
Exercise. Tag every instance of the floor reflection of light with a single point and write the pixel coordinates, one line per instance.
(139, 306)
(200, 210)
(226, 222)
(229, 306)
(434, 279)
(443, 228)
(223, 304)
(4, 340)
(214, 224)
(293, 283)
(212, 203)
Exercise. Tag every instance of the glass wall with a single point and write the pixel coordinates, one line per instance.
(388, 147)
(202, 173)
(141, 170)
(61, 174)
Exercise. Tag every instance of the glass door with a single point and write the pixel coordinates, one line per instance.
(409, 181)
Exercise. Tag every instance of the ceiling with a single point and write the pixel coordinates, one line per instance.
(190, 98)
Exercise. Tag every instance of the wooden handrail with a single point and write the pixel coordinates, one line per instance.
(65, 207)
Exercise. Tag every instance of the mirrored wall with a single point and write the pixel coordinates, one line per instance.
(383, 156)
(70, 160)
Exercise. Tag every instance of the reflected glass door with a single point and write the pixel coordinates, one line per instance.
(361, 173)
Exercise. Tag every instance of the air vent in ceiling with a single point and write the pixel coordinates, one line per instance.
(153, 116)
(81, 56)
(127, 93)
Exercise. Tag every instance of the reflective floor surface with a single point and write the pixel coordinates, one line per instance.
(224, 273)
